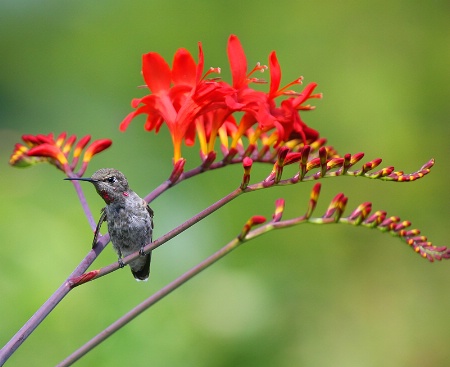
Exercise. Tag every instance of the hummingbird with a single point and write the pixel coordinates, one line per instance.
(129, 217)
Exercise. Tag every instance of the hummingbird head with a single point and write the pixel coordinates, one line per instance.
(110, 184)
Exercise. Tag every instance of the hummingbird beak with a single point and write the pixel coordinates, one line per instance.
(88, 179)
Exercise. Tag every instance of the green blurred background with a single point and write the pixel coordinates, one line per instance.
(306, 296)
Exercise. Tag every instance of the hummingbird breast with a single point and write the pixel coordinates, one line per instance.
(129, 224)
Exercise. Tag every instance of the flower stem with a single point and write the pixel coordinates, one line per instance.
(48, 306)
(149, 302)
(84, 205)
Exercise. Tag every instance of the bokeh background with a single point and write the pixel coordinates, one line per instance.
(306, 296)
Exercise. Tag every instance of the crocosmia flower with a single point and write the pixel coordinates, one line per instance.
(179, 96)
(190, 104)
(44, 148)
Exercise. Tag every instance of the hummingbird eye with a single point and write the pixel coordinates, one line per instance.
(111, 179)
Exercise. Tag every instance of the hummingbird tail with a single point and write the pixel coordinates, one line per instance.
(142, 273)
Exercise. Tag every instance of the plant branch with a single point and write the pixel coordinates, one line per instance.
(62, 290)
(360, 216)
(78, 280)
(333, 214)
(84, 205)
(149, 302)
(328, 167)
(311, 157)
(307, 163)
(47, 307)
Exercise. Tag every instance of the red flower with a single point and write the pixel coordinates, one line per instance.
(190, 104)
(179, 96)
(51, 151)
(95, 148)
(41, 148)
(260, 108)
(19, 157)
(286, 118)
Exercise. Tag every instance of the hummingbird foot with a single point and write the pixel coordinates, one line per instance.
(121, 264)
(142, 252)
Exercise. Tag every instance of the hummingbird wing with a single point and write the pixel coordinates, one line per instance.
(144, 271)
(151, 213)
(99, 225)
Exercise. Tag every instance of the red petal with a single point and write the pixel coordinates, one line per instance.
(19, 156)
(156, 72)
(48, 150)
(126, 121)
(95, 148)
(60, 139)
(247, 162)
(257, 219)
(81, 144)
(201, 62)
(184, 68)
(238, 61)
(148, 109)
(304, 95)
(189, 135)
(275, 74)
(135, 102)
(153, 122)
(45, 139)
(69, 143)
(31, 140)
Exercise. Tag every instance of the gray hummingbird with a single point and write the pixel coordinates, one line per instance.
(129, 217)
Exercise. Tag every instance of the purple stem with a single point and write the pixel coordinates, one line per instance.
(129, 316)
(84, 205)
(49, 305)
